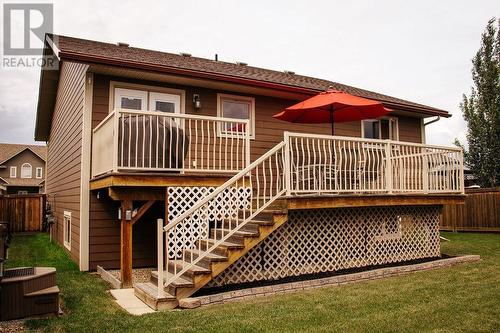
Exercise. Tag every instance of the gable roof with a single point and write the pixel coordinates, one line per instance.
(28, 182)
(93, 52)
(9, 150)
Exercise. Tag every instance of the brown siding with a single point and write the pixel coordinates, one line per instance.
(104, 225)
(64, 152)
(410, 129)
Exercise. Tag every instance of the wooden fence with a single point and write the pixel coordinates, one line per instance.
(481, 212)
(24, 212)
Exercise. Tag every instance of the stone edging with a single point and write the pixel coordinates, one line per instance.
(331, 281)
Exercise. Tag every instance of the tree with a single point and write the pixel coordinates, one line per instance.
(481, 109)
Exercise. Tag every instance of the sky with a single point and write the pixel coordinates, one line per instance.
(416, 50)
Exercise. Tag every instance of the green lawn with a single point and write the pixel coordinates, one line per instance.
(463, 298)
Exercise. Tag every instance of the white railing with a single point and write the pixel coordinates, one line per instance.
(232, 205)
(130, 140)
(321, 164)
(303, 164)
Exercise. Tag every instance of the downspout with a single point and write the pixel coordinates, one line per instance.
(432, 121)
(428, 123)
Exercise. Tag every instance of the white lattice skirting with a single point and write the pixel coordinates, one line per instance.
(196, 227)
(326, 240)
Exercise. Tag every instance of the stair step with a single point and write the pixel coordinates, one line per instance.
(237, 237)
(148, 293)
(152, 290)
(265, 215)
(221, 249)
(180, 264)
(192, 254)
(255, 221)
(43, 292)
(180, 281)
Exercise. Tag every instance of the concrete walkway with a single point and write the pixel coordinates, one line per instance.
(127, 300)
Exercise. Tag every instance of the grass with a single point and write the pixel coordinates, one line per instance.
(464, 298)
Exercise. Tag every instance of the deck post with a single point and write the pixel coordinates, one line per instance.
(287, 168)
(425, 173)
(388, 167)
(160, 232)
(116, 118)
(126, 245)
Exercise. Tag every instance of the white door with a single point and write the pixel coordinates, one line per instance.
(131, 99)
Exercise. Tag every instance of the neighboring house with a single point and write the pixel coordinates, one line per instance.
(22, 168)
(135, 135)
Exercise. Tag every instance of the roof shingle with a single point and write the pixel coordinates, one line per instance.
(69, 46)
(9, 150)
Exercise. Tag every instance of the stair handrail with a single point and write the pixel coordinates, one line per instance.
(278, 152)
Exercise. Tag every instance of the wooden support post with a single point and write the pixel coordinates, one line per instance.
(126, 246)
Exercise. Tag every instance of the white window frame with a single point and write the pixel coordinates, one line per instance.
(41, 172)
(13, 172)
(164, 97)
(30, 168)
(66, 225)
(143, 91)
(393, 121)
(132, 93)
(236, 98)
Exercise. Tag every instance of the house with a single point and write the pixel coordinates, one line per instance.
(175, 162)
(22, 168)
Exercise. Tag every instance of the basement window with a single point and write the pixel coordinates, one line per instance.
(67, 229)
(390, 229)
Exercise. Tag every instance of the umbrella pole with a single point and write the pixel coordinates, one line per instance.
(331, 119)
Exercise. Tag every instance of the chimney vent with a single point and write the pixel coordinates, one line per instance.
(288, 72)
(240, 63)
(184, 54)
(122, 44)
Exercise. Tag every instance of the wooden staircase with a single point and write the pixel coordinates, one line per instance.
(212, 264)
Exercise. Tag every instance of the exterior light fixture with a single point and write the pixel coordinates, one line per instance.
(196, 101)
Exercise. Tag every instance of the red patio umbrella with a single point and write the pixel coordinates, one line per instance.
(332, 105)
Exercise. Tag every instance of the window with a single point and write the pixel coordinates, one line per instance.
(13, 172)
(26, 171)
(239, 107)
(67, 229)
(22, 192)
(164, 102)
(143, 98)
(383, 128)
(39, 172)
(131, 99)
